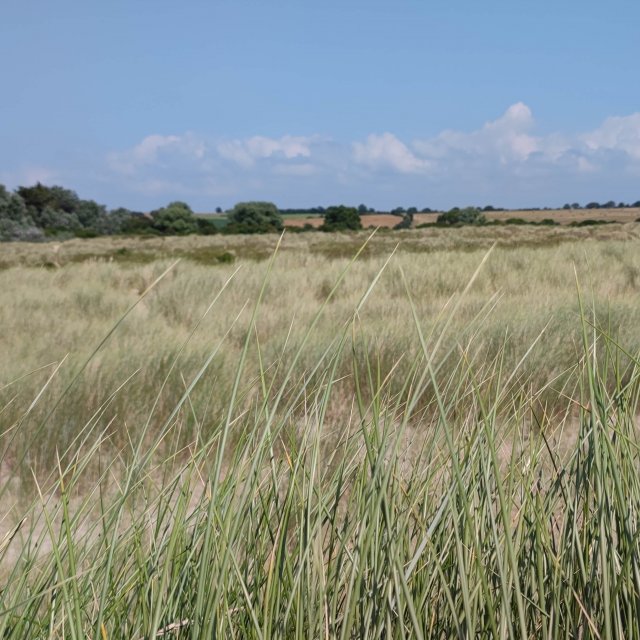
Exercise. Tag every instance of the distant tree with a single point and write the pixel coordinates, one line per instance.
(15, 222)
(207, 226)
(636, 204)
(407, 219)
(426, 210)
(459, 217)
(116, 221)
(609, 205)
(136, 223)
(90, 213)
(341, 218)
(12, 206)
(622, 205)
(575, 205)
(592, 205)
(566, 207)
(175, 219)
(39, 197)
(218, 209)
(362, 208)
(254, 217)
(398, 211)
(412, 210)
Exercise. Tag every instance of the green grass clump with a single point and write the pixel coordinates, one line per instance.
(330, 499)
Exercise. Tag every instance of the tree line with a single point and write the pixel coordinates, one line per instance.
(41, 212)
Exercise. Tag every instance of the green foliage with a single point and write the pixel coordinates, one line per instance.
(460, 217)
(15, 221)
(40, 197)
(341, 218)
(136, 223)
(206, 226)
(176, 219)
(254, 217)
(59, 212)
(54, 221)
(407, 220)
(89, 213)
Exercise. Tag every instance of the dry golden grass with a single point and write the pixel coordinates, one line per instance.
(58, 314)
(212, 250)
(197, 459)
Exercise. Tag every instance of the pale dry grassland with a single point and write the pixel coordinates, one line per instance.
(210, 250)
(53, 318)
(434, 440)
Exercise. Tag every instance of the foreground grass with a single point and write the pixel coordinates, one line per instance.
(343, 489)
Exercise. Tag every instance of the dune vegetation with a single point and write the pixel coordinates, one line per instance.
(331, 436)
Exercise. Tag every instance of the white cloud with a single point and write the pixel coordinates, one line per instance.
(246, 152)
(150, 150)
(506, 138)
(616, 134)
(385, 151)
(502, 159)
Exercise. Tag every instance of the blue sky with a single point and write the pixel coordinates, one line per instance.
(403, 103)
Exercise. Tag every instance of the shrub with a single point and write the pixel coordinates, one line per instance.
(341, 218)
(254, 217)
(175, 219)
(206, 226)
(138, 223)
(406, 222)
(459, 217)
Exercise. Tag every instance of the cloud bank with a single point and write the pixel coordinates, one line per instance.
(503, 161)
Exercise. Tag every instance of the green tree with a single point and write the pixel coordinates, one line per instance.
(40, 196)
(254, 217)
(114, 222)
(176, 219)
(341, 218)
(56, 221)
(135, 222)
(459, 217)
(15, 222)
(89, 212)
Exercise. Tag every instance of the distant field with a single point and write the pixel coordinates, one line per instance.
(387, 220)
(561, 216)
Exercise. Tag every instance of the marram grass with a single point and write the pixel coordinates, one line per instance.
(451, 503)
